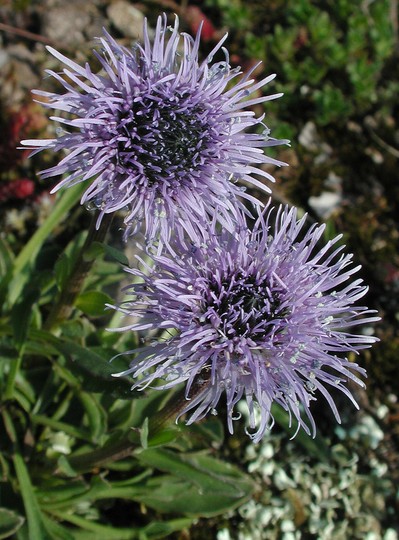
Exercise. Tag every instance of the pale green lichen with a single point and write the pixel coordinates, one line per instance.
(330, 500)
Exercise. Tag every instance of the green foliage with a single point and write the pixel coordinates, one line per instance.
(235, 13)
(77, 441)
(337, 50)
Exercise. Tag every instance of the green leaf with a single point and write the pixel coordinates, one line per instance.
(56, 425)
(162, 529)
(148, 406)
(9, 425)
(96, 370)
(6, 258)
(93, 303)
(32, 509)
(68, 258)
(96, 415)
(41, 343)
(62, 495)
(144, 434)
(57, 531)
(23, 265)
(21, 315)
(170, 494)
(67, 496)
(76, 329)
(90, 530)
(211, 491)
(153, 531)
(101, 531)
(200, 485)
(10, 522)
(164, 437)
(62, 270)
(113, 253)
(209, 432)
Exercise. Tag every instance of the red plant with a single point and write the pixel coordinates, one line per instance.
(17, 189)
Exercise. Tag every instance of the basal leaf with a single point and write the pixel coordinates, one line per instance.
(101, 531)
(162, 529)
(97, 418)
(57, 531)
(63, 494)
(32, 509)
(170, 494)
(206, 472)
(21, 314)
(200, 485)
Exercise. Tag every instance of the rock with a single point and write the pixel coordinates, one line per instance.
(325, 204)
(127, 19)
(71, 23)
(3, 58)
(311, 140)
(17, 76)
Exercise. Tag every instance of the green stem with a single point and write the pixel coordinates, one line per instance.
(123, 448)
(100, 456)
(63, 307)
(175, 405)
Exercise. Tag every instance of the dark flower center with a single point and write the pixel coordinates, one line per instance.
(165, 138)
(243, 305)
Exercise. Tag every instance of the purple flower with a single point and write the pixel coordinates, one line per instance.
(158, 133)
(264, 315)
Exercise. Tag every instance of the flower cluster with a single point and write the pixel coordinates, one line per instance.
(262, 314)
(157, 132)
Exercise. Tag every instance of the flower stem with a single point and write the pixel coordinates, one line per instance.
(101, 456)
(122, 448)
(63, 307)
(176, 405)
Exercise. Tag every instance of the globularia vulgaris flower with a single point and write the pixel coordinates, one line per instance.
(264, 315)
(156, 131)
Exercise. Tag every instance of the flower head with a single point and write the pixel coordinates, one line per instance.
(264, 315)
(157, 132)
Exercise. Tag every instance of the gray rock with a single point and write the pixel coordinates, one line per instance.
(127, 19)
(18, 73)
(325, 204)
(311, 140)
(72, 23)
